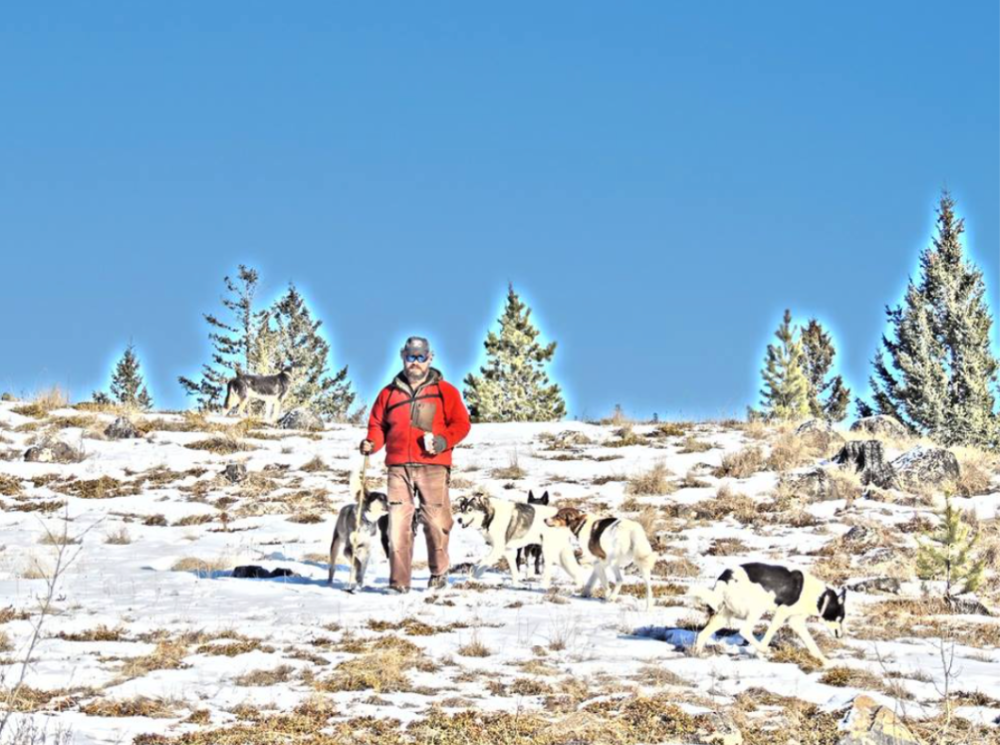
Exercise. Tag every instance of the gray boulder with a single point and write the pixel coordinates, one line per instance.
(235, 473)
(867, 458)
(881, 425)
(925, 466)
(302, 419)
(815, 485)
(819, 434)
(121, 429)
(53, 452)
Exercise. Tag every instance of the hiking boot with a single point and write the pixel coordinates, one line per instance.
(394, 590)
(439, 582)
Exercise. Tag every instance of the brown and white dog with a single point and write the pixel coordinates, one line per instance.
(609, 542)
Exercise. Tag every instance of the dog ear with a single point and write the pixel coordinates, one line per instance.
(531, 495)
(545, 497)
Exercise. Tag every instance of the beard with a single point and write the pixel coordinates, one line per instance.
(415, 375)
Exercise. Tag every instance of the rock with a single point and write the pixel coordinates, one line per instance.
(7, 397)
(867, 457)
(819, 434)
(235, 473)
(818, 485)
(52, 452)
(881, 425)
(121, 429)
(867, 722)
(861, 535)
(926, 466)
(724, 731)
(303, 419)
(877, 584)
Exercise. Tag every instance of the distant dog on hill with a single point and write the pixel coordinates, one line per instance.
(609, 542)
(750, 591)
(271, 389)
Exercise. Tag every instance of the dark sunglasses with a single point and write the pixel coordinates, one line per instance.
(416, 358)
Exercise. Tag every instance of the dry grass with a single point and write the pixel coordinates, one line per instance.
(789, 451)
(654, 482)
(977, 471)
(139, 706)
(727, 547)
(682, 567)
(692, 444)
(728, 502)
(37, 505)
(626, 437)
(10, 486)
(670, 429)
(256, 678)
(202, 567)
(100, 634)
(220, 445)
(741, 464)
(234, 648)
(104, 487)
(513, 470)
(119, 537)
(382, 670)
(168, 655)
(315, 465)
(43, 402)
(474, 648)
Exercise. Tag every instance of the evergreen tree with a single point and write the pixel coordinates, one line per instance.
(818, 353)
(236, 347)
(785, 395)
(935, 370)
(513, 385)
(946, 553)
(127, 386)
(296, 341)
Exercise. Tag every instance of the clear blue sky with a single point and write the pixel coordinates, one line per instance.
(659, 180)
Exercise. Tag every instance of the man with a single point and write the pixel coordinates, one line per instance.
(419, 418)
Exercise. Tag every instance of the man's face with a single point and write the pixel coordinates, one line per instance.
(415, 369)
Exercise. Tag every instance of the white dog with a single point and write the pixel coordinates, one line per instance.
(609, 542)
(509, 526)
(750, 591)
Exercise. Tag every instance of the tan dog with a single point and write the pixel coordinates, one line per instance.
(609, 542)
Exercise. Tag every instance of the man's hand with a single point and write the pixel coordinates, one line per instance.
(366, 447)
(429, 443)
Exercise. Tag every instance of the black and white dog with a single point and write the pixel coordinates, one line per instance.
(271, 389)
(508, 526)
(355, 538)
(534, 551)
(750, 591)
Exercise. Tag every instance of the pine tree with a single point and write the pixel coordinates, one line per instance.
(513, 385)
(946, 553)
(236, 344)
(297, 341)
(127, 386)
(935, 370)
(785, 395)
(818, 353)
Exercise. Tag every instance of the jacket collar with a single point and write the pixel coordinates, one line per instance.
(400, 381)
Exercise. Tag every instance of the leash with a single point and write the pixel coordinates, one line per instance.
(362, 493)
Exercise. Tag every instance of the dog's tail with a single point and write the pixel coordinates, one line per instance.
(709, 596)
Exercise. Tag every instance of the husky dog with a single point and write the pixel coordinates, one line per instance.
(509, 526)
(751, 590)
(534, 551)
(271, 389)
(609, 542)
(374, 524)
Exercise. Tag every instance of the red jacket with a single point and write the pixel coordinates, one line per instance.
(401, 416)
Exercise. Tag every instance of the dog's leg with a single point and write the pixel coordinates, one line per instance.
(515, 575)
(798, 625)
(780, 616)
(746, 631)
(551, 556)
(619, 580)
(567, 560)
(486, 562)
(716, 622)
(588, 589)
(334, 553)
(362, 568)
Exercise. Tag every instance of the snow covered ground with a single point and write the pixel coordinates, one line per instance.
(150, 633)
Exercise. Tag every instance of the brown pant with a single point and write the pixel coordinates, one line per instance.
(431, 484)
